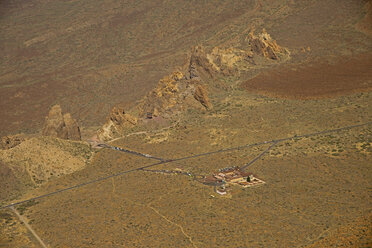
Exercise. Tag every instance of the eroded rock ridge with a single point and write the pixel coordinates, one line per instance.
(61, 126)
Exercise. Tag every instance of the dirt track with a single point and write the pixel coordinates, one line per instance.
(316, 80)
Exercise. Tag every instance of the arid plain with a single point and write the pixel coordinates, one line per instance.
(283, 87)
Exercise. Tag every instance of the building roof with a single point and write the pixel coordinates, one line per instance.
(243, 183)
(245, 174)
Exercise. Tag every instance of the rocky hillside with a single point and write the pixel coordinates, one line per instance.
(30, 160)
(11, 184)
(117, 121)
(187, 88)
(173, 94)
(42, 158)
(254, 51)
(90, 60)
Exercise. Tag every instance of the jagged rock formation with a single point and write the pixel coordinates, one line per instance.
(175, 93)
(226, 60)
(179, 91)
(73, 130)
(201, 95)
(229, 60)
(164, 96)
(172, 95)
(116, 123)
(199, 63)
(54, 124)
(265, 46)
(10, 141)
(61, 126)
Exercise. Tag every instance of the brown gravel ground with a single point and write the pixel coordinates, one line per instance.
(316, 80)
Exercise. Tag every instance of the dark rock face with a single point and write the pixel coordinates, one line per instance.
(61, 126)
(10, 141)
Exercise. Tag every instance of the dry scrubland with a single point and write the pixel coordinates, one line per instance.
(89, 55)
(316, 186)
(94, 55)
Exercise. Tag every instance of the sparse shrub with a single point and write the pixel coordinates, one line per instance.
(6, 216)
(23, 207)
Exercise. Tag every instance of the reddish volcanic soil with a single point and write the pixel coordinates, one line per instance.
(311, 81)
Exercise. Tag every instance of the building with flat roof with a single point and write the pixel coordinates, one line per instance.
(234, 175)
(230, 176)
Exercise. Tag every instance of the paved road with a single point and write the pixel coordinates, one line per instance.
(274, 142)
(130, 152)
(259, 156)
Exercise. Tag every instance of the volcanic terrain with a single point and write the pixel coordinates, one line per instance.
(116, 117)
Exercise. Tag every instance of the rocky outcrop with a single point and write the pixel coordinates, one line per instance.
(265, 46)
(120, 118)
(201, 95)
(165, 96)
(182, 90)
(199, 63)
(116, 123)
(54, 124)
(173, 94)
(61, 126)
(73, 130)
(10, 141)
(227, 60)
